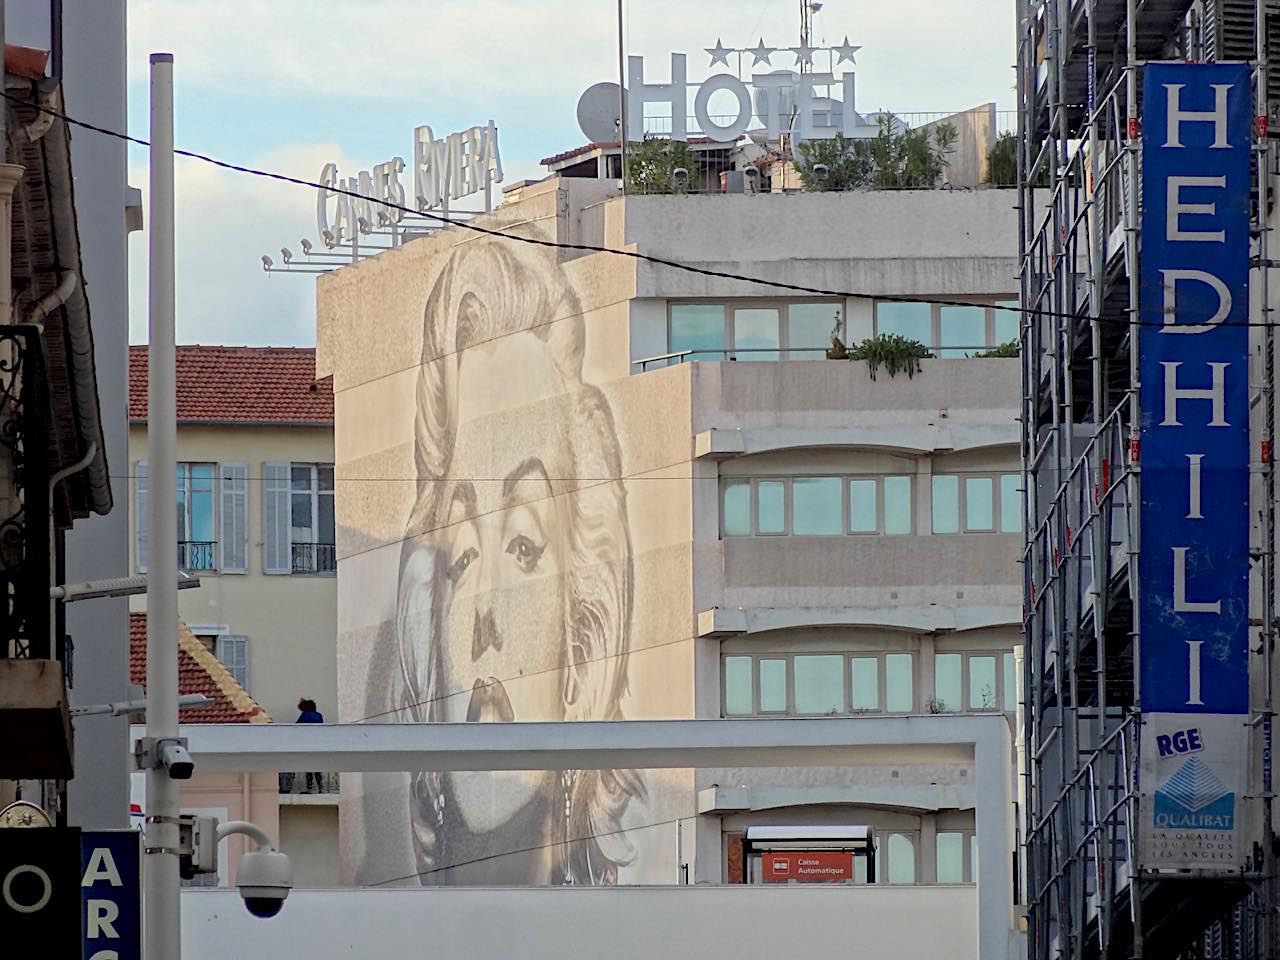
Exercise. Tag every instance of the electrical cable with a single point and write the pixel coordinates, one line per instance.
(533, 849)
(593, 248)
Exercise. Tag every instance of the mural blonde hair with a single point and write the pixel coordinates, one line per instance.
(488, 290)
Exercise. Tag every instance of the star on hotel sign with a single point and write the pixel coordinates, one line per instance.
(719, 53)
(761, 53)
(845, 51)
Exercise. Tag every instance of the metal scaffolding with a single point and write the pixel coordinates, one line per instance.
(1079, 168)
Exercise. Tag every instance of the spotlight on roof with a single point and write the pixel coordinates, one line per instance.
(267, 262)
(286, 254)
(329, 239)
(306, 246)
(364, 225)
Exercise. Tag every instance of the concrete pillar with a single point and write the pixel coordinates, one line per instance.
(924, 496)
(928, 849)
(925, 672)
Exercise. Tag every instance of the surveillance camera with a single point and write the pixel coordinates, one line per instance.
(306, 246)
(264, 878)
(176, 760)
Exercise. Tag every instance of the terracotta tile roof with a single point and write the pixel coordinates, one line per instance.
(199, 671)
(239, 385)
(612, 145)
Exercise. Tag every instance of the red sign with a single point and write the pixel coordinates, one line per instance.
(792, 866)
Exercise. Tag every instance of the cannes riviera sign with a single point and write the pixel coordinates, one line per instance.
(457, 166)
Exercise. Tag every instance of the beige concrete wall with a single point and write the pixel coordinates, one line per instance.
(291, 621)
(308, 832)
(245, 796)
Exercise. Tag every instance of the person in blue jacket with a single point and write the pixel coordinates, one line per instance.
(307, 713)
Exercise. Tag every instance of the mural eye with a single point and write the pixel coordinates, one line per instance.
(459, 566)
(526, 552)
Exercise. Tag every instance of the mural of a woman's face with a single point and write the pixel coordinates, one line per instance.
(515, 591)
(503, 555)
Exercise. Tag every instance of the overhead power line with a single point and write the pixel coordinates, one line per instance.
(588, 247)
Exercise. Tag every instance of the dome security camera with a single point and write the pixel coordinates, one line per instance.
(264, 878)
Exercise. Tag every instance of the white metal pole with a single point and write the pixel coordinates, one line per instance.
(160, 864)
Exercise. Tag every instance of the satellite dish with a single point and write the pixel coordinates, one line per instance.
(598, 113)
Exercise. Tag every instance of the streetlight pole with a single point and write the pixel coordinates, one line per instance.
(161, 935)
(622, 100)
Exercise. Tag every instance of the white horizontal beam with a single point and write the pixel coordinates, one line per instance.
(632, 744)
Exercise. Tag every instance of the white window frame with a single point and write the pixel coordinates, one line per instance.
(183, 488)
(848, 656)
(277, 486)
(998, 654)
(221, 491)
(935, 323)
(784, 349)
(225, 639)
(967, 865)
(846, 512)
(962, 501)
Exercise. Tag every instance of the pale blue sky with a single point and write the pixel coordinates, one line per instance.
(289, 84)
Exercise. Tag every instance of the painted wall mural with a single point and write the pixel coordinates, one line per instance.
(515, 595)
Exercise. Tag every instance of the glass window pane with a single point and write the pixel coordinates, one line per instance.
(946, 504)
(978, 504)
(963, 330)
(1006, 326)
(771, 507)
(201, 476)
(1011, 502)
(755, 328)
(816, 508)
(182, 515)
(1010, 684)
(911, 320)
(973, 857)
(737, 508)
(773, 686)
(902, 858)
(325, 524)
(860, 869)
(698, 326)
(819, 684)
(862, 506)
(300, 477)
(897, 505)
(811, 325)
(982, 683)
(300, 512)
(202, 516)
(324, 476)
(737, 686)
(951, 858)
(946, 682)
(899, 683)
(865, 672)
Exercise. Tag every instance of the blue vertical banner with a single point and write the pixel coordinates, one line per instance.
(1194, 454)
(111, 894)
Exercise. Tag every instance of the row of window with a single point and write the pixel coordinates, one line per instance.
(897, 857)
(833, 684)
(298, 534)
(802, 330)
(834, 506)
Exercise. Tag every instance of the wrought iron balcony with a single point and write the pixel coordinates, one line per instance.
(315, 558)
(197, 555)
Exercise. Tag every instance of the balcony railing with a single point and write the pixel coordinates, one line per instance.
(315, 558)
(197, 555)
(765, 354)
(326, 783)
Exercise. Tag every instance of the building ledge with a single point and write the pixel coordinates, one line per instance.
(924, 798)
(722, 444)
(308, 799)
(922, 618)
(35, 721)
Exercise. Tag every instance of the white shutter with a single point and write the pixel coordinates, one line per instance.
(233, 651)
(276, 550)
(141, 506)
(233, 521)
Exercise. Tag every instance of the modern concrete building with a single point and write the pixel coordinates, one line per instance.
(566, 492)
(256, 502)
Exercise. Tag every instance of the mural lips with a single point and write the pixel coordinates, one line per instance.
(489, 703)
